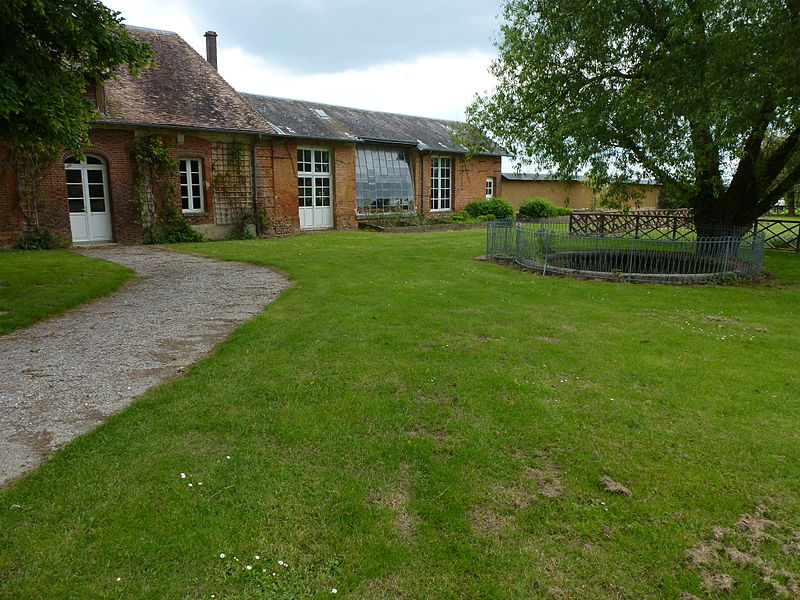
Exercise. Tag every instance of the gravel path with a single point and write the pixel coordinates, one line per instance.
(63, 376)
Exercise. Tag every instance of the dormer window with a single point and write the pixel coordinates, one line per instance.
(96, 92)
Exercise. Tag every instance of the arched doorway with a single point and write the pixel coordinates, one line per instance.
(87, 195)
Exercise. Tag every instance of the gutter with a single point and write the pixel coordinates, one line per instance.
(189, 127)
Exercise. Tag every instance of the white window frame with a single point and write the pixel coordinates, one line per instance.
(438, 163)
(489, 188)
(320, 176)
(185, 169)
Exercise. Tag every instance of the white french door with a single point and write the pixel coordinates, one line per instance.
(87, 196)
(314, 188)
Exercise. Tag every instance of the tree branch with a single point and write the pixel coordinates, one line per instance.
(784, 187)
(626, 143)
(778, 160)
(743, 178)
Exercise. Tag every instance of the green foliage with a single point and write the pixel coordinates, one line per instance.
(41, 240)
(242, 235)
(682, 92)
(499, 208)
(462, 216)
(173, 228)
(161, 221)
(539, 208)
(49, 50)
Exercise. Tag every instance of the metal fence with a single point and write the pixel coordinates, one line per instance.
(549, 247)
(780, 234)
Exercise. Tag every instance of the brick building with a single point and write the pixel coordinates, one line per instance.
(282, 165)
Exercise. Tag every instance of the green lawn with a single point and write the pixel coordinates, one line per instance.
(406, 422)
(35, 284)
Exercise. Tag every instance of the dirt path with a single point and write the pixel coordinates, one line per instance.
(63, 376)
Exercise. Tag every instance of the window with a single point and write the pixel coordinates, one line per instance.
(191, 185)
(87, 199)
(383, 180)
(314, 189)
(489, 188)
(440, 183)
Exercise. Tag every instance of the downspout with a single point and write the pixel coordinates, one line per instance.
(254, 178)
(421, 205)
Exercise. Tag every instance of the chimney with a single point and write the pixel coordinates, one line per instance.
(211, 48)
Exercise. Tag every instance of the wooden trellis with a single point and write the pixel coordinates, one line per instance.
(233, 191)
(657, 225)
(641, 224)
(780, 233)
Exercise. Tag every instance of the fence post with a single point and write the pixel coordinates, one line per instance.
(797, 239)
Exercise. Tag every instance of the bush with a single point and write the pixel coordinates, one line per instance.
(41, 240)
(242, 235)
(539, 208)
(461, 216)
(497, 207)
(173, 228)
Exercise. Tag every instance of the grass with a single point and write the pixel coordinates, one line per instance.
(35, 284)
(783, 217)
(406, 422)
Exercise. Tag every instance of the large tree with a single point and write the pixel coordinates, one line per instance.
(49, 50)
(689, 92)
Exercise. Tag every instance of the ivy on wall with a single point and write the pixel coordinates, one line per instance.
(160, 219)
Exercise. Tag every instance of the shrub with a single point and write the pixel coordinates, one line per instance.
(539, 208)
(40, 240)
(461, 216)
(173, 228)
(180, 231)
(242, 235)
(497, 207)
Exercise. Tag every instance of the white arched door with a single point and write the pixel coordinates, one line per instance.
(87, 195)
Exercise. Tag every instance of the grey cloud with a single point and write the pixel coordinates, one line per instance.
(320, 36)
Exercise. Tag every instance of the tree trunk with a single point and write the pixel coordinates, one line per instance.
(791, 202)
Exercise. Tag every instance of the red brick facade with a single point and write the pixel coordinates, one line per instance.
(276, 188)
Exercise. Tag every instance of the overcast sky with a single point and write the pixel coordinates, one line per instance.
(426, 58)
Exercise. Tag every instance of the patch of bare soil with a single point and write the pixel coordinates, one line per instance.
(545, 476)
(539, 477)
(716, 582)
(740, 546)
(613, 487)
(382, 588)
(396, 497)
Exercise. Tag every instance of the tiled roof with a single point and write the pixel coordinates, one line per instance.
(182, 90)
(298, 118)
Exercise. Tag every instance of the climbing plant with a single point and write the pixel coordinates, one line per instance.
(160, 220)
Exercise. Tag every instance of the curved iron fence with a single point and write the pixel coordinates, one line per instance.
(549, 247)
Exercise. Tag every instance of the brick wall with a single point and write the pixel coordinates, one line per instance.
(113, 146)
(468, 180)
(344, 183)
(283, 210)
(276, 182)
(283, 216)
(10, 216)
